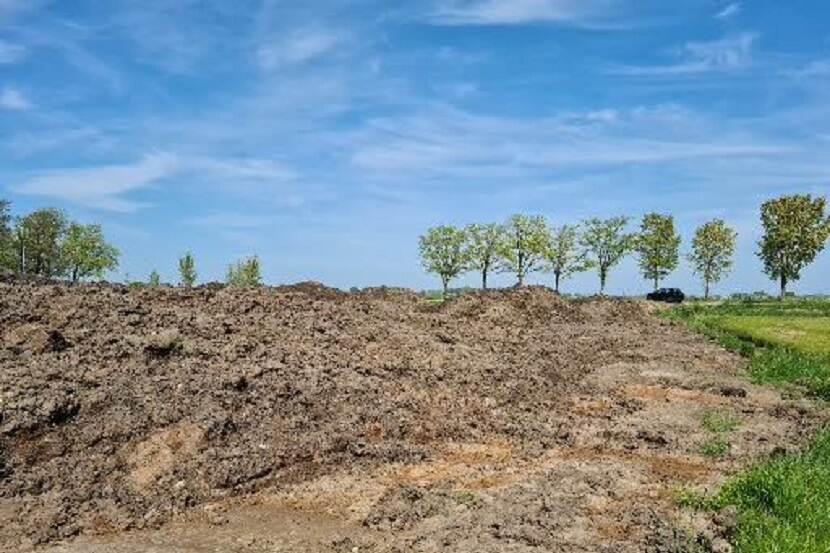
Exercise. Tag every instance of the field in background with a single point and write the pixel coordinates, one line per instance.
(787, 343)
(783, 504)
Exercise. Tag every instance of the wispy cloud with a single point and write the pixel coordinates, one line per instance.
(299, 47)
(730, 10)
(108, 187)
(450, 142)
(816, 68)
(11, 53)
(732, 53)
(13, 99)
(514, 12)
(101, 187)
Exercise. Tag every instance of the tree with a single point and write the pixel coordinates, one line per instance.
(155, 278)
(7, 255)
(713, 248)
(39, 239)
(564, 255)
(444, 253)
(523, 250)
(85, 253)
(796, 229)
(483, 245)
(658, 246)
(247, 272)
(187, 270)
(606, 243)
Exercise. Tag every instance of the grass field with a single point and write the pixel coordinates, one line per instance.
(787, 343)
(783, 503)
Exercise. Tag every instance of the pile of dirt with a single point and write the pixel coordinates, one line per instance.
(123, 408)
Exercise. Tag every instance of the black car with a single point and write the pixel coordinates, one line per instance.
(668, 295)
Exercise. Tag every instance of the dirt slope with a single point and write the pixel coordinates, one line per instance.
(315, 420)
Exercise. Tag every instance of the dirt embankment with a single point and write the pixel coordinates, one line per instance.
(504, 421)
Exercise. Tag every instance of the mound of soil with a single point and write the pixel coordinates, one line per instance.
(122, 409)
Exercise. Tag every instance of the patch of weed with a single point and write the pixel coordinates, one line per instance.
(720, 422)
(716, 448)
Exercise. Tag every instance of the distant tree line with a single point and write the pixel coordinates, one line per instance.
(796, 229)
(46, 244)
(247, 272)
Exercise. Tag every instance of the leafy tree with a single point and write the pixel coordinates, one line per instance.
(606, 243)
(7, 255)
(247, 272)
(564, 255)
(85, 253)
(658, 246)
(187, 270)
(483, 245)
(713, 248)
(523, 250)
(155, 278)
(444, 253)
(39, 239)
(796, 229)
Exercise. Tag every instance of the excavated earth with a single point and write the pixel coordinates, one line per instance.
(303, 419)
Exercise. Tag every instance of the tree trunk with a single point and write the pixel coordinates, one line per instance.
(556, 275)
(446, 283)
(521, 278)
(484, 279)
(706, 290)
(783, 287)
(602, 277)
(656, 283)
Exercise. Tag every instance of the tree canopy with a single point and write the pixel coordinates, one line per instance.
(187, 270)
(85, 253)
(564, 255)
(606, 243)
(796, 229)
(524, 247)
(39, 236)
(247, 272)
(713, 250)
(484, 242)
(444, 253)
(658, 246)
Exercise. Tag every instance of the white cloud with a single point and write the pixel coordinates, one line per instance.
(727, 54)
(12, 99)
(450, 142)
(300, 47)
(515, 12)
(11, 53)
(729, 11)
(101, 187)
(106, 187)
(816, 68)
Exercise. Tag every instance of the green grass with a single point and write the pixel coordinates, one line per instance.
(786, 342)
(783, 503)
(716, 448)
(810, 334)
(720, 422)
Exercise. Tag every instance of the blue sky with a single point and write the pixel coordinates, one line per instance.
(326, 135)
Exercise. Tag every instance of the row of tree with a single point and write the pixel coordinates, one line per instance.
(46, 244)
(796, 229)
(246, 272)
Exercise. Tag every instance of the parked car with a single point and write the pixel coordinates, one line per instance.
(668, 295)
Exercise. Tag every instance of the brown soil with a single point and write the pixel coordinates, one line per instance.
(306, 419)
